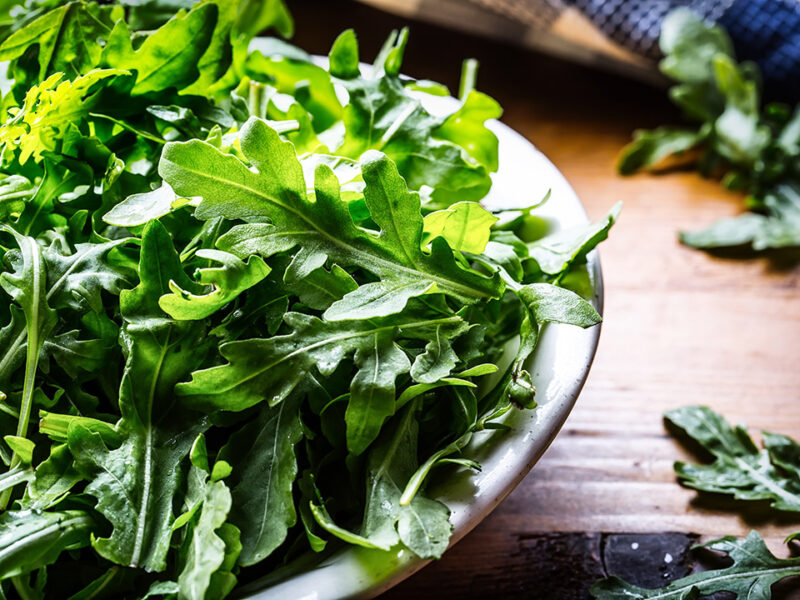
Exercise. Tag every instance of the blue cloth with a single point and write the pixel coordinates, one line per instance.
(765, 31)
(768, 32)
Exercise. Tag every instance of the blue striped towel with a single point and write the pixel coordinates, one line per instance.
(623, 34)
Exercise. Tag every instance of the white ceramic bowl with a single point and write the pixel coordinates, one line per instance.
(559, 370)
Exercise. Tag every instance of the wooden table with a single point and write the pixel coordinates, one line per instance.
(681, 327)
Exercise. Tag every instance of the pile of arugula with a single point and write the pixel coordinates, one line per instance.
(755, 148)
(253, 302)
(742, 471)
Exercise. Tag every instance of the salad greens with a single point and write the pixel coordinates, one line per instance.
(744, 472)
(753, 572)
(252, 303)
(755, 148)
(740, 469)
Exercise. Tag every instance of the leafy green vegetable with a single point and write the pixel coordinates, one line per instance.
(325, 228)
(207, 548)
(262, 454)
(135, 483)
(167, 58)
(423, 525)
(740, 468)
(746, 473)
(754, 145)
(31, 539)
(27, 286)
(253, 300)
(752, 575)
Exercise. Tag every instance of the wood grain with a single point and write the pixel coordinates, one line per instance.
(681, 327)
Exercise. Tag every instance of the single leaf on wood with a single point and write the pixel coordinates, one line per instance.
(751, 576)
(739, 469)
(649, 148)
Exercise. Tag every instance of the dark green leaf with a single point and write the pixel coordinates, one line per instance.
(551, 304)
(751, 576)
(739, 468)
(264, 470)
(32, 539)
(134, 483)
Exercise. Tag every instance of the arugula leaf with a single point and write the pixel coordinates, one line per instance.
(66, 39)
(253, 17)
(232, 191)
(557, 252)
(551, 304)
(52, 481)
(215, 63)
(467, 128)
(48, 110)
(134, 483)
(73, 354)
(466, 226)
(439, 358)
(382, 115)
(270, 369)
(77, 280)
(322, 288)
(32, 539)
(343, 57)
(754, 145)
(650, 148)
(740, 469)
(264, 470)
(68, 285)
(423, 525)
(206, 550)
(372, 392)
(228, 281)
(138, 209)
(27, 285)
(14, 190)
(753, 573)
(169, 57)
(292, 72)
